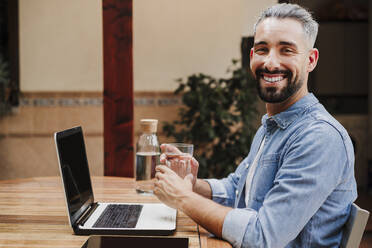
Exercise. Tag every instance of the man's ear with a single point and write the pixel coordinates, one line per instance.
(250, 57)
(313, 59)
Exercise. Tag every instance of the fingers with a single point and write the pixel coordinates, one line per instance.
(189, 177)
(162, 174)
(181, 165)
(159, 176)
(182, 169)
(163, 169)
(163, 158)
(158, 182)
(162, 147)
(186, 167)
(168, 161)
(194, 162)
(169, 149)
(158, 191)
(168, 153)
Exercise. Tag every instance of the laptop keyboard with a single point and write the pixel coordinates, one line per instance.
(119, 216)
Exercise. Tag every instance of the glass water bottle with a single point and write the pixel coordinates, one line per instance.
(147, 156)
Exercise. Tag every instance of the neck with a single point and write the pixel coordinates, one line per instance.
(276, 108)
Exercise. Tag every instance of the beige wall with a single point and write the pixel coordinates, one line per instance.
(174, 39)
(61, 41)
(60, 45)
(61, 51)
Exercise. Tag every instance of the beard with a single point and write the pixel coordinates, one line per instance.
(272, 94)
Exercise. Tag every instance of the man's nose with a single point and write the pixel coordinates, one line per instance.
(272, 62)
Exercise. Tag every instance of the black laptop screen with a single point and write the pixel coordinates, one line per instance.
(75, 171)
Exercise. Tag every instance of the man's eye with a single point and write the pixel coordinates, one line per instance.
(260, 50)
(287, 50)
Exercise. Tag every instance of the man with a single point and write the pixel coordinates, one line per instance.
(296, 186)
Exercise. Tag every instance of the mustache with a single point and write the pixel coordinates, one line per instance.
(260, 71)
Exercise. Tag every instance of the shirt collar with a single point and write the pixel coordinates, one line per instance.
(285, 118)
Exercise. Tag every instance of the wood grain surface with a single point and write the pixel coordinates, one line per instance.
(33, 213)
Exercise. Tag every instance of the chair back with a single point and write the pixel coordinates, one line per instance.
(354, 227)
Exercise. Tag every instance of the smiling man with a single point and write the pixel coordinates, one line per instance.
(296, 186)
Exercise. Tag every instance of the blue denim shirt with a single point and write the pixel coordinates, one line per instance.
(303, 186)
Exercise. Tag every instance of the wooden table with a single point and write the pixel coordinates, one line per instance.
(33, 213)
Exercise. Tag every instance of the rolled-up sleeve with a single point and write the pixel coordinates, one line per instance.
(223, 190)
(220, 192)
(235, 225)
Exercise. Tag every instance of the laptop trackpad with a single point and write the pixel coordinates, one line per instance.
(157, 217)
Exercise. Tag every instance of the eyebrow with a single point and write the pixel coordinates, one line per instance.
(288, 43)
(283, 43)
(260, 43)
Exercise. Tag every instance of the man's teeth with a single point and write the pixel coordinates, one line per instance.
(273, 79)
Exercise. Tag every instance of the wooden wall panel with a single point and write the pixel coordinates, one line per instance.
(118, 88)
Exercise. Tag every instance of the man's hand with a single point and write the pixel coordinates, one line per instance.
(177, 193)
(182, 164)
(170, 188)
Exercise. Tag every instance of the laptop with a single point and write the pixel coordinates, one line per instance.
(89, 217)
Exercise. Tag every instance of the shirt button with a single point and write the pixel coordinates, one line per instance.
(247, 166)
(237, 192)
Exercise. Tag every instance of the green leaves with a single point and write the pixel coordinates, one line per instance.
(217, 117)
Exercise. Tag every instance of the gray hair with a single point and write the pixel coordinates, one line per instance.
(294, 11)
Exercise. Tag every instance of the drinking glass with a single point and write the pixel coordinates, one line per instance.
(179, 157)
(178, 149)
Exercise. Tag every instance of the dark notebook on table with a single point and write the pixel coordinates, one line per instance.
(138, 242)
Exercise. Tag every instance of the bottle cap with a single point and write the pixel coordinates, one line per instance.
(149, 125)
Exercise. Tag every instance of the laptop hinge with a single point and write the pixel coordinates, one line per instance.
(84, 217)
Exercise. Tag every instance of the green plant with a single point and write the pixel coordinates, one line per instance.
(217, 118)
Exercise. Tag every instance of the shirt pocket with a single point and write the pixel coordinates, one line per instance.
(263, 179)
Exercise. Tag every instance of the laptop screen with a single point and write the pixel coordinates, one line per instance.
(75, 172)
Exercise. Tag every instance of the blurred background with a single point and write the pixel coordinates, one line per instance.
(52, 69)
(54, 50)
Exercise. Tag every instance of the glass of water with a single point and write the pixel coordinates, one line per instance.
(178, 157)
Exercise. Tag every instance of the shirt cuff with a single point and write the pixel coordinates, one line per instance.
(218, 188)
(235, 225)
